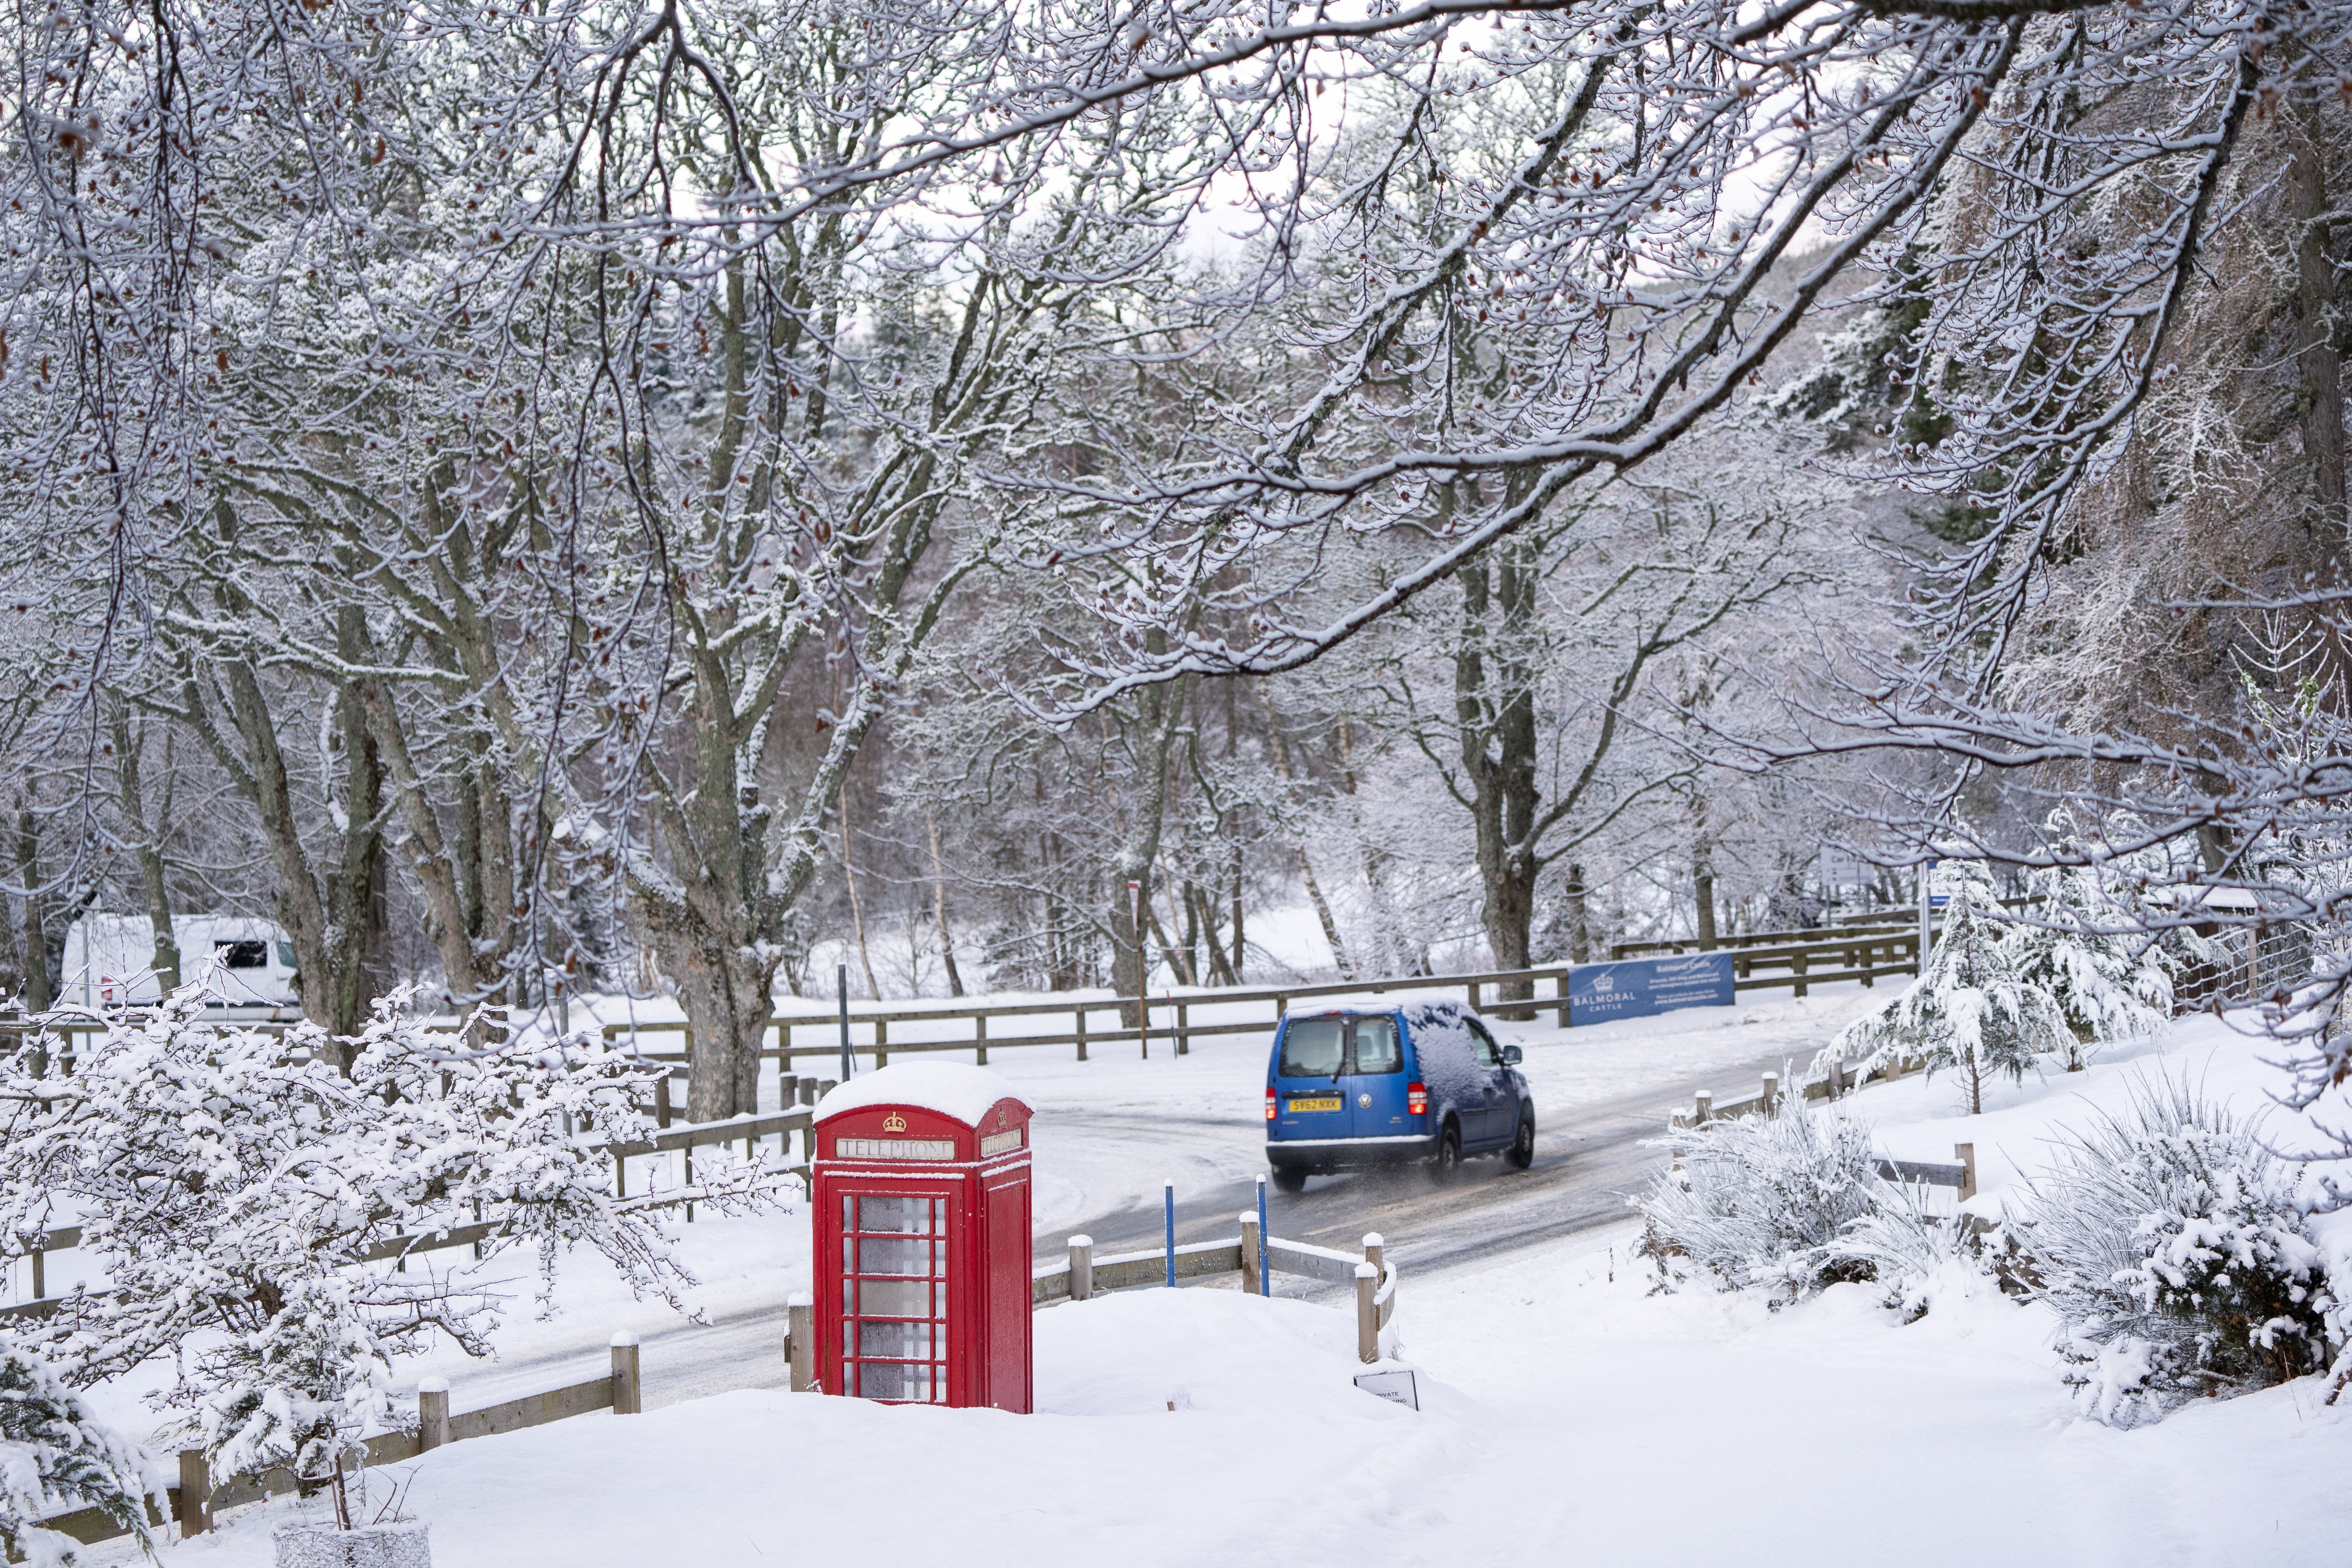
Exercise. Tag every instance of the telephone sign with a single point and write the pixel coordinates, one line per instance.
(921, 1184)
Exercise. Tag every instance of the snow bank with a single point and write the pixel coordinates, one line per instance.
(955, 1089)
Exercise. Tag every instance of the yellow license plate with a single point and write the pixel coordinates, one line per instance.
(1321, 1102)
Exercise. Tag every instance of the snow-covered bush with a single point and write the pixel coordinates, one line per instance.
(1760, 1200)
(1972, 1010)
(2171, 1245)
(233, 1187)
(1915, 1256)
(55, 1458)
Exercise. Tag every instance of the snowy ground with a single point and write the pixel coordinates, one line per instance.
(1567, 1410)
(1569, 1416)
(1108, 1132)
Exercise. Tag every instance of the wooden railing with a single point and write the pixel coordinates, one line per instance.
(1167, 1020)
(784, 1126)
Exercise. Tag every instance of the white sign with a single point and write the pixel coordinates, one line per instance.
(1396, 1386)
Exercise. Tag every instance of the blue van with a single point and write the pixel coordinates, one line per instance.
(1360, 1085)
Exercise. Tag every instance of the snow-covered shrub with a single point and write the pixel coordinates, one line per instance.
(55, 1458)
(231, 1186)
(2170, 1244)
(1915, 1256)
(1758, 1200)
(1972, 1010)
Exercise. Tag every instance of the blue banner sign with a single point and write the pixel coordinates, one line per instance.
(1639, 987)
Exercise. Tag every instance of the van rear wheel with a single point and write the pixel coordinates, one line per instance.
(1288, 1179)
(1522, 1151)
(1448, 1161)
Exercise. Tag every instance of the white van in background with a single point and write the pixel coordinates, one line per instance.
(246, 964)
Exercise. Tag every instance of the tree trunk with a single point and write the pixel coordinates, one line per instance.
(1496, 724)
(1158, 710)
(36, 942)
(2321, 406)
(148, 846)
(939, 909)
(1580, 940)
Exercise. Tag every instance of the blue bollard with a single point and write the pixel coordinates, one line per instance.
(1265, 1281)
(1168, 1193)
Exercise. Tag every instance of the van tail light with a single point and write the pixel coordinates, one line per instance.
(1269, 1104)
(1416, 1099)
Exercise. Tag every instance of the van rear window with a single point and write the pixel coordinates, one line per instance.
(1312, 1048)
(243, 955)
(1376, 1046)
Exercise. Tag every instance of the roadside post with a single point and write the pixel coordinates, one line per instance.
(841, 990)
(1265, 1279)
(921, 1206)
(1168, 1209)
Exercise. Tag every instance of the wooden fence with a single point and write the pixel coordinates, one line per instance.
(783, 1126)
(1862, 955)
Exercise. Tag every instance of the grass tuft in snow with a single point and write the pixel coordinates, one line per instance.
(2169, 1242)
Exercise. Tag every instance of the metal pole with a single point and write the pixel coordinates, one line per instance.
(1265, 1284)
(1926, 876)
(840, 989)
(1168, 1201)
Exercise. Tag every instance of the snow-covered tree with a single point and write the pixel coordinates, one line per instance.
(232, 1187)
(55, 1457)
(1972, 1010)
(2088, 943)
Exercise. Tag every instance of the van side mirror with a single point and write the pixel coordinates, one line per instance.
(1512, 1055)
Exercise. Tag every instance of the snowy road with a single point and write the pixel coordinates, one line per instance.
(1588, 1155)
(1108, 1132)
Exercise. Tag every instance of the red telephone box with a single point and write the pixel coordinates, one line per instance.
(921, 1184)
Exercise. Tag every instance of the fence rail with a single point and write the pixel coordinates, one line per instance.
(1862, 954)
(784, 1126)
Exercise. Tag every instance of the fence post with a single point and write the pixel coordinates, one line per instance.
(1473, 989)
(1183, 1034)
(1772, 1095)
(1796, 968)
(1249, 1253)
(807, 1090)
(1168, 1208)
(1706, 1107)
(1966, 1154)
(800, 1338)
(1559, 989)
(432, 1412)
(1265, 1273)
(1082, 1267)
(629, 1388)
(196, 1493)
(881, 1042)
(661, 1098)
(1079, 1013)
(40, 1275)
(1368, 1313)
(979, 1033)
(1372, 1249)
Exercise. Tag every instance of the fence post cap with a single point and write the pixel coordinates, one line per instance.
(800, 1298)
(1082, 1241)
(1249, 1219)
(1372, 1239)
(1365, 1271)
(622, 1339)
(1169, 1184)
(432, 1386)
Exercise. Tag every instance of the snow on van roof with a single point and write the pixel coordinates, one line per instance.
(1374, 1002)
(956, 1089)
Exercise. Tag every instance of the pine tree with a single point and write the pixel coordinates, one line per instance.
(55, 1457)
(2089, 944)
(1972, 1010)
